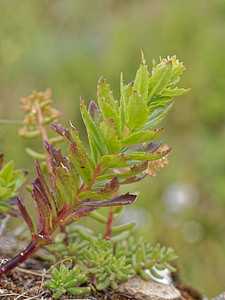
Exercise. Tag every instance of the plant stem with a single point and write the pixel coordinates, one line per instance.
(20, 258)
(109, 224)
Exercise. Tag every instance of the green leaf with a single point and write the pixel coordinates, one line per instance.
(80, 161)
(136, 169)
(92, 130)
(137, 112)
(109, 134)
(141, 80)
(103, 91)
(177, 70)
(150, 156)
(157, 116)
(7, 171)
(79, 290)
(124, 227)
(64, 185)
(113, 161)
(109, 112)
(110, 189)
(75, 136)
(160, 79)
(34, 154)
(122, 102)
(17, 179)
(175, 92)
(141, 136)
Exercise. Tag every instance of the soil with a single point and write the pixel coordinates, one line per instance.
(27, 281)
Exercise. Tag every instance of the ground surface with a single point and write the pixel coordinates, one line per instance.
(27, 281)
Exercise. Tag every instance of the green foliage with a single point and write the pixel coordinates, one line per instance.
(106, 263)
(67, 281)
(120, 137)
(10, 181)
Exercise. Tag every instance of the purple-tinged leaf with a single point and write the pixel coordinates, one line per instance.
(42, 239)
(64, 185)
(117, 200)
(25, 215)
(95, 112)
(133, 179)
(135, 170)
(75, 137)
(57, 159)
(110, 189)
(144, 147)
(46, 189)
(43, 207)
(79, 213)
(80, 161)
(62, 131)
(150, 156)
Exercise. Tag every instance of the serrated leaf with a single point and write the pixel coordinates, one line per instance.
(177, 70)
(75, 136)
(157, 116)
(25, 215)
(92, 130)
(95, 112)
(150, 156)
(137, 112)
(114, 161)
(45, 187)
(110, 189)
(109, 112)
(144, 147)
(157, 101)
(43, 206)
(141, 80)
(103, 91)
(136, 169)
(109, 134)
(141, 136)
(64, 185)
(81, 163)
(117, 200)
(175, 92)
(160, 79)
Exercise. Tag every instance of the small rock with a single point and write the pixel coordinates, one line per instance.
(137, 288)
(220, 297)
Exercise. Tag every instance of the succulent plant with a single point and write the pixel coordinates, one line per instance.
(67, 281)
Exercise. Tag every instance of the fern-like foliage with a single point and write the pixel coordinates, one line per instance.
(120, 135)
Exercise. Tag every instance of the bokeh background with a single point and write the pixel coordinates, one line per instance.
(68, 45)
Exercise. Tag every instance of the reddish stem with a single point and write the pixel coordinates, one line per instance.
(109, 224)
(20, 258)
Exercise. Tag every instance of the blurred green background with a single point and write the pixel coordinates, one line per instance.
(68, 45)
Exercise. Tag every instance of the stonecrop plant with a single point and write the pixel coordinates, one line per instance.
(73, 185)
